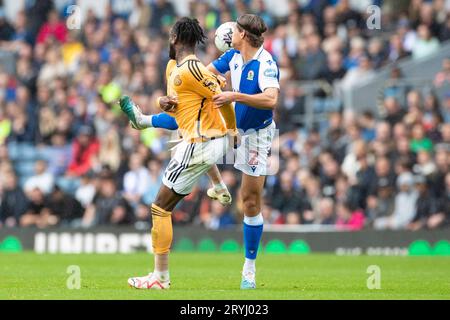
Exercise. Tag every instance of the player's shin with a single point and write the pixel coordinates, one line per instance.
(162, 235)
(162, 120)
(253, 229)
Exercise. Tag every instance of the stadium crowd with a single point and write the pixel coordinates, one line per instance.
(69, 157)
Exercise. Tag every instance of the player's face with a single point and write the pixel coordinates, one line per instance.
(238, 37)
(172, 51)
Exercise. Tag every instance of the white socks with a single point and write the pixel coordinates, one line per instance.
(254, 221)
(145, 121)
(162, 275)
(249, 266)
(220, 186)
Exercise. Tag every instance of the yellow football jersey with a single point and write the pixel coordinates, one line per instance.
(195, 85)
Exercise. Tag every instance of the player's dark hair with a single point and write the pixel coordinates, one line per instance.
(254, 26)
(188, 32)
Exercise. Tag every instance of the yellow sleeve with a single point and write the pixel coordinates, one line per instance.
(205, 83)
(227, 112)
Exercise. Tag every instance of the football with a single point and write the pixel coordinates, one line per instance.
(223, 36)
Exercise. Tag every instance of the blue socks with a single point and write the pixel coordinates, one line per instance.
(163, 120)
(253, 228)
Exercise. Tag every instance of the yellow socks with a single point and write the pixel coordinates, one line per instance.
(162, 232)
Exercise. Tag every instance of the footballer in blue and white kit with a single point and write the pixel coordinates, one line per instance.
(255, 83)
(255, 124)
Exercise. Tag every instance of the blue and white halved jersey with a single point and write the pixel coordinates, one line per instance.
(252, 77)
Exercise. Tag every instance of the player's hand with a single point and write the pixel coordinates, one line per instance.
(223, 98)
(168, 103)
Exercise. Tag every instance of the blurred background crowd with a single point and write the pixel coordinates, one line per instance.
(69, 157)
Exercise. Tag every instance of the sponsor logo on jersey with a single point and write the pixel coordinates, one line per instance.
(270, 73)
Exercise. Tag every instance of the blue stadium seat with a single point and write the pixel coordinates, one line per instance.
(24, 167)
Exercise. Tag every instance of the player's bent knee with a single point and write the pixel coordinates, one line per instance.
(162, 232)
(251, 202)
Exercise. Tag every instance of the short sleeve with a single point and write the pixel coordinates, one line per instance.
(222, 64)
(268, 75)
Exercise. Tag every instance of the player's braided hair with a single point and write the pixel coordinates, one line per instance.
(188, 32)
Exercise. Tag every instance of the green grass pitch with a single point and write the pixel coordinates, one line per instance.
(217, 276)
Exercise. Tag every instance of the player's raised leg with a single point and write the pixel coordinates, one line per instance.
(219, 190)
(141, 121)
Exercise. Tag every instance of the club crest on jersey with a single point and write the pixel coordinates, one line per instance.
(177, 80)
(250, 75)
(253, 160)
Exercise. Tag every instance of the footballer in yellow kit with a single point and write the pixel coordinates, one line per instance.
(202, 125)
(204, 128)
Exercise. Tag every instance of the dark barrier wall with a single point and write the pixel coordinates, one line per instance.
(128, 240)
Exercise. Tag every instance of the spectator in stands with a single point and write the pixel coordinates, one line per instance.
(136, 180)
(5, 127)
(108, 207)
(63, 206)
(442, 215)
(87, 189)
(426, 204)
(405, 205)
(140, 15)
(163, 13)
(334, 69)
(286, 197)
(13, 203)
(314, 58)
(437, 178)
(326, 212)
(359, 74)
(419, 141)
(84, 148)
(367, 122)
(425, 165)
(6, 29)
(58, 154)
(376, 52)
(38, 214)
(393, 112)
(443, 76)
(426, 44)
(396, 48)
(220, 217)
(381, 201)
(22, 129)
(348, 217)
(54, 29)
(43, 179)
(155, 173)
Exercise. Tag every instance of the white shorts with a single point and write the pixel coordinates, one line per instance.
(252, 154)
(190, 161)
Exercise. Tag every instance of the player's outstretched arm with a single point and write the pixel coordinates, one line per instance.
(265, 100)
